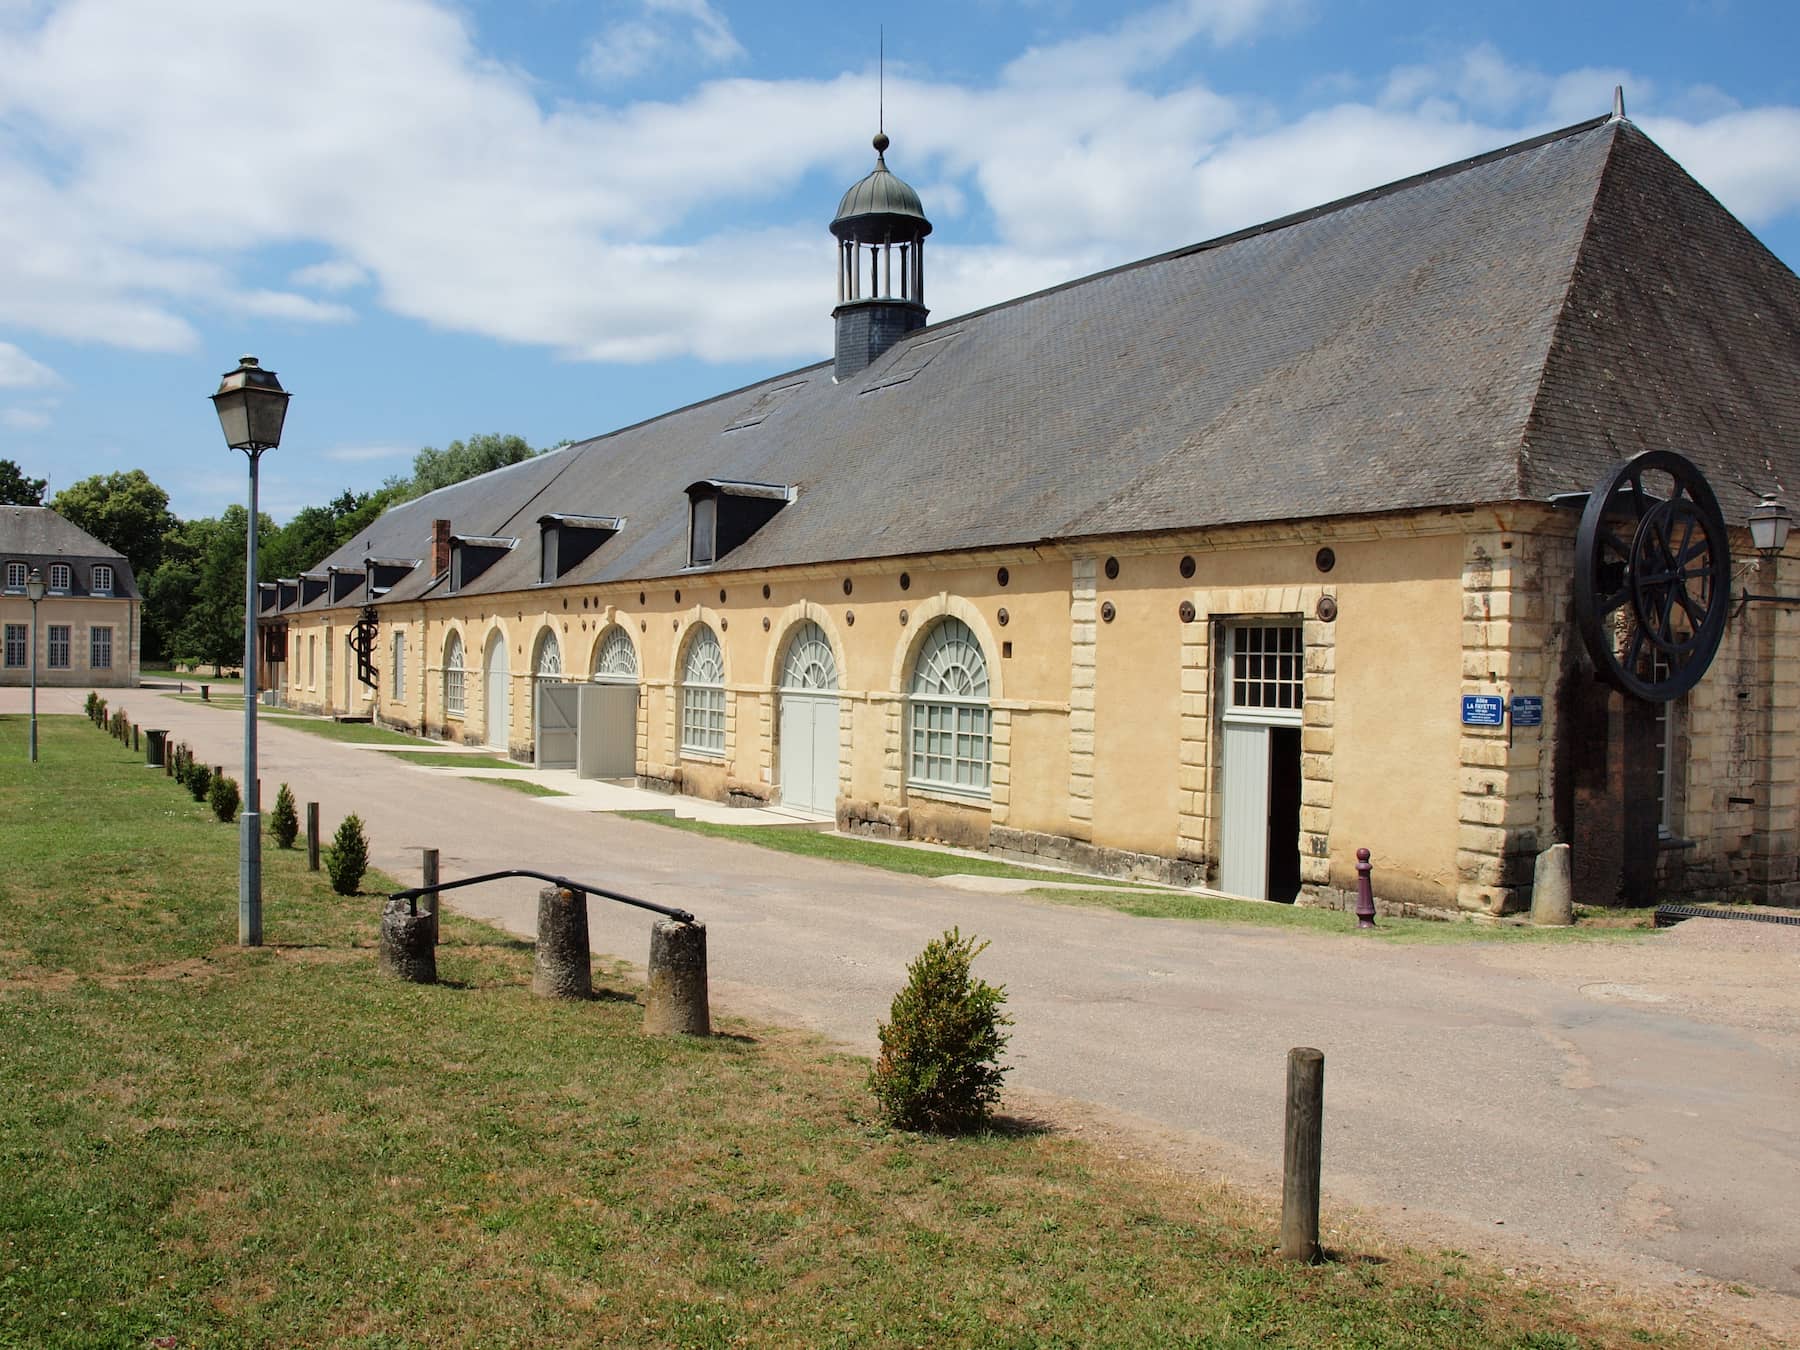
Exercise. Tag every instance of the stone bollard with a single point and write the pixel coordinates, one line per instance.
(562, 967)
(156, 741)
(675, 1002)
(1552, 890)
(406, 948)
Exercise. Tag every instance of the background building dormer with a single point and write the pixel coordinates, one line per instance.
(567, 541)
(881, 229)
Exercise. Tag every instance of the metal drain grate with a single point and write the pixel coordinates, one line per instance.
(1667, 916)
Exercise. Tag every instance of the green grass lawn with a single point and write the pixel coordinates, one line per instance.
(525, 785)
(450, 759)
(1591, 925)
(208, 1146)
(1154, 904)
(918, 862)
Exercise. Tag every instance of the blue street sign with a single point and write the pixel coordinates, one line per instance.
(1483, 710)
(1527, 710)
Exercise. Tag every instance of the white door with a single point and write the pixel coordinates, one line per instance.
(494, 681)
(1265, 692)
(1244, 844)
(606, 730)
(556, 722)
(808, 725)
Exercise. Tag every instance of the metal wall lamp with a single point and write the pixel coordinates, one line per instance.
(1770, 524)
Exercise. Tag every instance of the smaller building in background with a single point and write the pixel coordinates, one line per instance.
(90, 621)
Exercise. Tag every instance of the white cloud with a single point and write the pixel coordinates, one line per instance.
(364, 454)
(441, 181)
(20, 371)
(26, 419)
(334, 274)
(661, 33)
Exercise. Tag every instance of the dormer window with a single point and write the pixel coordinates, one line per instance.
(102, 579)
(15, 576)
(703, 530)
(344, 581)
(386, 573)
(60, 578)
(722, 514)
(312, 586)
(471, 555)
(565, 542)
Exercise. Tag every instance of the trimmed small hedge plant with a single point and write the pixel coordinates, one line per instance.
(939, 1069)
(347, 856)
(222, 796)
(284, 824)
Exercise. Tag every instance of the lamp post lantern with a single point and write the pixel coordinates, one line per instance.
(34, 592)
(252, 406)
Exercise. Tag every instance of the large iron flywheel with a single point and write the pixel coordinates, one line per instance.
(1652, 575)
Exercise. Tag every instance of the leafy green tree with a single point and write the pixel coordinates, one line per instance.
(125, 511)
(318, 531)
(18, 490)
(434, 468)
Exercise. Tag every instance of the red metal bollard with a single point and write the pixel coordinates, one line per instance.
(1365, 890)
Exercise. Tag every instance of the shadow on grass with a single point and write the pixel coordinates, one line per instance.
(612, 996)
(1009, 1126)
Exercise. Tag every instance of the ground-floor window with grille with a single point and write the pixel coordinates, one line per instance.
(951, 723)
(100, 648)
(703, 695)
(15, 644)
(57, 647)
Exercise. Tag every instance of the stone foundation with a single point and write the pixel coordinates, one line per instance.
(873, 820)
(1336, 897)
(1079, 855)
(740, 793)
(656, 782)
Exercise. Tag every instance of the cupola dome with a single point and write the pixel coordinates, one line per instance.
(881, 228)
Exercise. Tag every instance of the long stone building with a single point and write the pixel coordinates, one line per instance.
(1192, 569)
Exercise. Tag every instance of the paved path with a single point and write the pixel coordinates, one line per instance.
(1630, 1105)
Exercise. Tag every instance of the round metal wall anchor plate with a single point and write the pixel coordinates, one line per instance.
(1004, 618)
(765, 623)
(1107, 612)
(1325, 559)
(1652, 575)
(1187, 611)
(1326, 609)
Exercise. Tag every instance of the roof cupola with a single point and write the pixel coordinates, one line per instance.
(881, 229)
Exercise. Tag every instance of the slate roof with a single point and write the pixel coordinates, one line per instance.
(1493, 331)
(37, 537)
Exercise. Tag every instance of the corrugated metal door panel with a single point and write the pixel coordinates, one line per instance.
(557, 713)
(606, 731)
(1244, 842)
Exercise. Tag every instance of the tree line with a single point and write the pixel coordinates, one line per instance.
(191, 572)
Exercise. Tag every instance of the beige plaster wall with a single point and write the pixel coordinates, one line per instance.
(81, 614)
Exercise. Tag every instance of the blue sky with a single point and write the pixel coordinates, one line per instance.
(555, 217)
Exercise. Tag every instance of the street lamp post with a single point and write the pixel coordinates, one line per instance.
(34, 592)
(252, 406)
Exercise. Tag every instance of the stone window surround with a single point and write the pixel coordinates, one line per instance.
(56, 636)
(782, 628)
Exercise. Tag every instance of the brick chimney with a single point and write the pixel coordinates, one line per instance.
(440, 547)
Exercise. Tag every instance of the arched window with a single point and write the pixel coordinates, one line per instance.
(616, 658)
(703, 695)
(453, 675)
(809, 664)
(952, 726)
(548, 663)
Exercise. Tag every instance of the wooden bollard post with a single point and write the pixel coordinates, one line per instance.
(562, 967)
(134, 737)
(406, 948)
(312, 836)
(1301, 1154)
(675, 1002)
(428, 876)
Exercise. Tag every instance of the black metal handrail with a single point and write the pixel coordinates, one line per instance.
(413, 893)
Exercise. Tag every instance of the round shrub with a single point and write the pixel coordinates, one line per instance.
(222, 796)
(199, 780)
(939, 1068)
(284, 824)
(347, 856)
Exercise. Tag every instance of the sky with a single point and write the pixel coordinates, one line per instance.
(436, 218)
